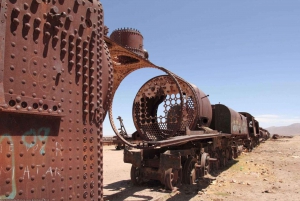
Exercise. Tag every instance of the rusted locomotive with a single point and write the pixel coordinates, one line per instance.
(55, 83)
(180, 135)
(59, 73)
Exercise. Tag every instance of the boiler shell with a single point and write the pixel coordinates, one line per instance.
(228, 121)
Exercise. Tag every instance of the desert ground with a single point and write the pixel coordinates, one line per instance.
(269, 172)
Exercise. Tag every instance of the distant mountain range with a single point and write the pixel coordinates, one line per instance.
(293, 129)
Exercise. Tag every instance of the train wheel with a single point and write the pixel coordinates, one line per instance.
(135, 175)
(189, 172)
(172, 178)
(204, 164)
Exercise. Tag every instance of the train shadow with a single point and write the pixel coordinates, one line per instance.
(187, 192)
(154, 190)
(124, 190)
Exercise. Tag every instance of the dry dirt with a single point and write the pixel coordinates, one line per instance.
(269, 172)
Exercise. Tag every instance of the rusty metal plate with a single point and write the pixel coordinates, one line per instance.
(55, 81)
(228, 121)
(162, 91)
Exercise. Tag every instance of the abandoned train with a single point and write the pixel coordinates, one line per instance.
(179, 135)
(189, 137)
(59, 73)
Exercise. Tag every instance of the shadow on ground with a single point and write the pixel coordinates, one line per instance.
(155, 191)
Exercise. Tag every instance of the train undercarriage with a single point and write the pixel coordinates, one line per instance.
(173, 163)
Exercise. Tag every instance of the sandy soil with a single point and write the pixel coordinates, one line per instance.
(270, 172)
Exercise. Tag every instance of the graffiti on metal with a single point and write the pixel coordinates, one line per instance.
(33, 135)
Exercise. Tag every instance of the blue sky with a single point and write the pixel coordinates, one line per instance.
(244, 54)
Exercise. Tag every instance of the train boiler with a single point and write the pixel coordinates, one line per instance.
(55, 82)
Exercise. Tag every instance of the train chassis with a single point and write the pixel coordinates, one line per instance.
(182, 164)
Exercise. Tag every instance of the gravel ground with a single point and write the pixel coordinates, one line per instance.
(269, 172)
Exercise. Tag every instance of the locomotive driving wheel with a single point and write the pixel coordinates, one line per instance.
(135, 175)
(172, 178)
(189, 172)
(204, 164)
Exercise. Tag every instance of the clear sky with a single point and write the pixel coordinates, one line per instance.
(244, 54)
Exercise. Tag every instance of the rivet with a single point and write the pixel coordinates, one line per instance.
(47, 34)
(56, 29)
(38, 30)
(64, 32)
(54, 10)
(72, 37)
(27, 25)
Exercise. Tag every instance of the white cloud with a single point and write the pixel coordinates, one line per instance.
(268, 120)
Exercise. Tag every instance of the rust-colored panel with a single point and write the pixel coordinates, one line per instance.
(57, 79)
(229, 121)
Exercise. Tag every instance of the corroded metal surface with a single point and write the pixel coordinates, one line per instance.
(131, 39)
(252, 125)
(195, 110)
(55, 81)
(162, 92)
(122, 68)
(229, 121)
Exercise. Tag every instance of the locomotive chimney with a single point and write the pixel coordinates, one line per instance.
(131, 39)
